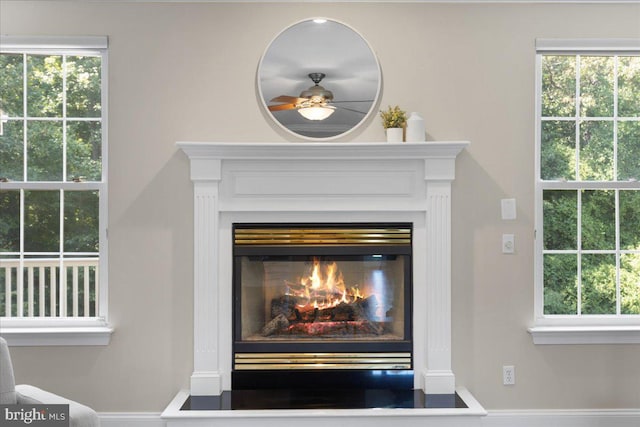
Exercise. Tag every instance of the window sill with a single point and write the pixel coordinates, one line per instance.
(585, 334)
(55, 332)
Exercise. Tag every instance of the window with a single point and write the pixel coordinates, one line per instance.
(587, 190)
(53, 190)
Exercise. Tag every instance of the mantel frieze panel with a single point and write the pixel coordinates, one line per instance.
(311, 185)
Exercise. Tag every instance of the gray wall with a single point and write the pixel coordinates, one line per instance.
(186, 72)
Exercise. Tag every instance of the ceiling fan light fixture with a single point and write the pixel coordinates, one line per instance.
(316, 112)
(316, 92)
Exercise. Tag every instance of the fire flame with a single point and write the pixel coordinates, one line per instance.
(323, 287)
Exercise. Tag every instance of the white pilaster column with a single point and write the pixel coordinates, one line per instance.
(206, 378)
(438, 376)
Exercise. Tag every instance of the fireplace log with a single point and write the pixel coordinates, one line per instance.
(281, 326)
(342, 311)
(361, 309)
(335, 329)
(277, 324)
(285, 305)
(354, 318)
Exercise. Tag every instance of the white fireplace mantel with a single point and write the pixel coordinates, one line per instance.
(322, 182)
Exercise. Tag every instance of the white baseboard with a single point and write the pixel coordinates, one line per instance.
(563, 418)
(131, 419)
(502, 418)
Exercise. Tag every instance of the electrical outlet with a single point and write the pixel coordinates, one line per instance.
(508, 375)
(508, 244)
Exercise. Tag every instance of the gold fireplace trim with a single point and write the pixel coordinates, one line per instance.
(322, 236)
(292, 361)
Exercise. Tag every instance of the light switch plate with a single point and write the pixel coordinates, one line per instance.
(508, 208)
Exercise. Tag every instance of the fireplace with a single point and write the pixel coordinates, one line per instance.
(322, 305)
(239, 186)
(241, 190)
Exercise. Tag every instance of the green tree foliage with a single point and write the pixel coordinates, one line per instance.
(628, 84)
(596, 151)
(11, 104)
(598, 220)
(559, 86)
(558, 150)
(9, 225)
(11, 84)
(580, 234)
(83, 86)
(41, 221)
(81, 221)
(629, 150)
(598, 284)
(629, 263)
(44, 86)
(560, 208)
(596, 86)
(629, 284)
(560, 284)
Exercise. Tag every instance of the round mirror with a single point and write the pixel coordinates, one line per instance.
(319, 79)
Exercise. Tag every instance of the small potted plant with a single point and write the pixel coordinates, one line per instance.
(393, 121)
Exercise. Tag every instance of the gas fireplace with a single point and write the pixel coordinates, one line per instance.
(322, 304)
(322, 270)
(324, 261)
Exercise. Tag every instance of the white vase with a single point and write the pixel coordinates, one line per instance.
(394, 134)
(415, 128)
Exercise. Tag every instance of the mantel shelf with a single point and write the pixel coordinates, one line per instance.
(322, 150)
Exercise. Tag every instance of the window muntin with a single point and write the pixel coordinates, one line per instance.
(53, 169)
(588, 197)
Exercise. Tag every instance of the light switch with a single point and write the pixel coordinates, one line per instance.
(508, 208)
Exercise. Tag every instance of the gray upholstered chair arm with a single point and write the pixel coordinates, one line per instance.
(7, 381)
(80, 415)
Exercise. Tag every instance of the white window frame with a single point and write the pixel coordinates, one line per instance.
(39, 331)
(574, 329)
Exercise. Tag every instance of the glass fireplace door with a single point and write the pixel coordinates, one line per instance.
(322, 298)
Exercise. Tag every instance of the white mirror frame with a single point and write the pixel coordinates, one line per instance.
(340, 52)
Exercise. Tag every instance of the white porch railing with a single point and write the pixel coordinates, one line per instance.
(48, 287)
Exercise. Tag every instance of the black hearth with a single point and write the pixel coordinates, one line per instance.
(322, 306)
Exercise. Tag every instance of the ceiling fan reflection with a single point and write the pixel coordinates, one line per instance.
(315, 103)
